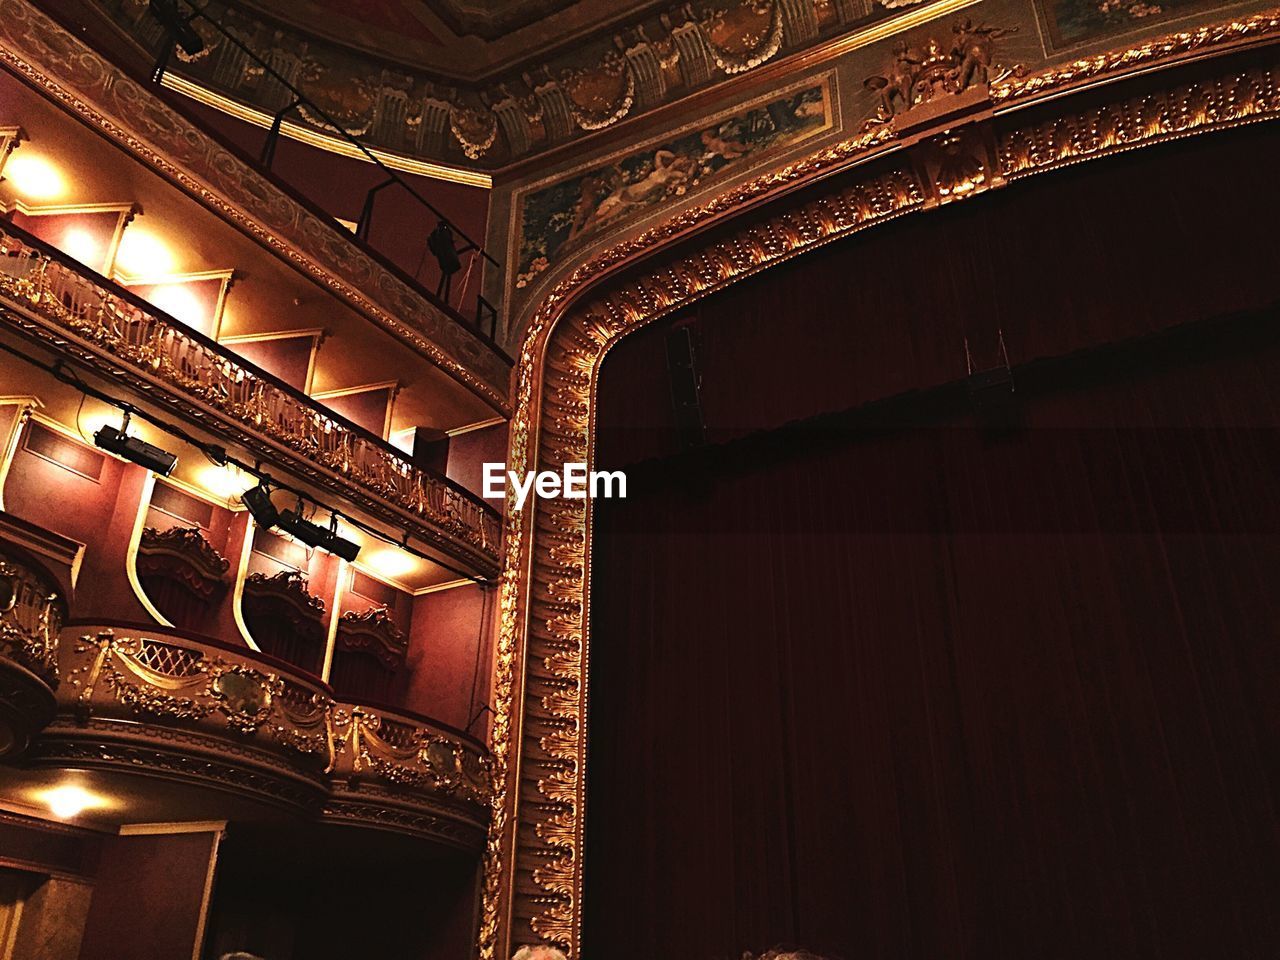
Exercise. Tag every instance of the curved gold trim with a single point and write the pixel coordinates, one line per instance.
(242, 571)
(323, 141)
(131, 554)
(533, 871)
(8, 450)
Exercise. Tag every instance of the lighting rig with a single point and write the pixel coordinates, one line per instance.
(257, 500)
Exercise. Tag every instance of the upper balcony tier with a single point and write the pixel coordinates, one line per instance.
(310, 267)
(51, 299)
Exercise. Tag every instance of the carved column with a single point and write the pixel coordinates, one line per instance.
(646, 70)
(799, 21)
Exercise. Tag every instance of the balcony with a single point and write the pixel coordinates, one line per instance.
(221, 720)
(36, 568)
(60, 303)
(385, 763)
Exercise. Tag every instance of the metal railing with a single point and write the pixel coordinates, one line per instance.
(175, 15)
(119, 323)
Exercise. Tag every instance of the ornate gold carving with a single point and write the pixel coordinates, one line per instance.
(185, 681)
(659, 58)
(1168, 47)
(1225, 102)
(940, 68)
(743, 34)
(544, 615)
(374, 631)
(406, 753)
(213, 693)
(30, 617)
(182, 553)
(291, 587)
(58, 295)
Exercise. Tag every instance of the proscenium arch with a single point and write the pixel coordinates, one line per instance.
(533, 870)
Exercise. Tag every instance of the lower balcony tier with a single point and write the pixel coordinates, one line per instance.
(160, 725)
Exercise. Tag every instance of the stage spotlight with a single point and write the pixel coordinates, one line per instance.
(314, 535)
(135, 449)
(258, 502)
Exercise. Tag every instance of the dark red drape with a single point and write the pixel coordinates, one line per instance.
(934, 691)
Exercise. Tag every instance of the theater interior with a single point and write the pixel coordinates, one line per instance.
(921, 361)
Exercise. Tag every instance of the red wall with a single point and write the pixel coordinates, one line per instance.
(444, 682)
(99, 514)
(468, 452)
(338, 185)
(149, 895)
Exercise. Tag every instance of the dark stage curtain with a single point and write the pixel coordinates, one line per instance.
(181, 605)
(940, 691)
(360, 677)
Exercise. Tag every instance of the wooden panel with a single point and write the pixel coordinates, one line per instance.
(65, 452)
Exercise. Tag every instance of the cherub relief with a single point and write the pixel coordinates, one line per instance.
(918, 76)
(973, 47)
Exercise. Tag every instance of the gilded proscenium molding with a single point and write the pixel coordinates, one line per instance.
(74, 314)
(55, 62)
(1169, 47)
(533, 876)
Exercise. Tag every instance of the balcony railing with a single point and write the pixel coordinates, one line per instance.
(35, 577)
(161, 700)
(76, 301)
(165, 677)
(372, 742)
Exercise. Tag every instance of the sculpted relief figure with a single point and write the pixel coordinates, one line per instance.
(920, 75)
(974, 46)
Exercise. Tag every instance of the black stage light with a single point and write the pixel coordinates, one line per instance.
(258, 502)
(135, 449)
(314, 535)
(340, 547)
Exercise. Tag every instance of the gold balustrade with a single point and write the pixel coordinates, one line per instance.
(31, 612)
(140, 695)
(375, 743)
(30, 617)
(212, 690)
(75, 303)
